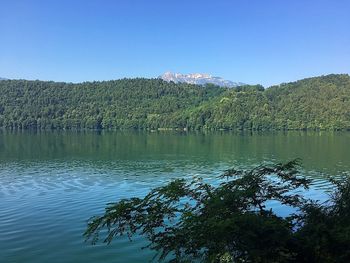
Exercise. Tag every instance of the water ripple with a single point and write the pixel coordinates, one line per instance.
(45, 201)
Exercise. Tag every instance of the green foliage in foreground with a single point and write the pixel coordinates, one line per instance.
(320, 103)
(232, 222)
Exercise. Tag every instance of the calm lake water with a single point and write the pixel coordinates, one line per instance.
(52, 182)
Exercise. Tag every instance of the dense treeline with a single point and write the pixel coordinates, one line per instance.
(320, 103)
(314, 103)
(126, 103)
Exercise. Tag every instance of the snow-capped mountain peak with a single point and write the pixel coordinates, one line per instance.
(199, 79)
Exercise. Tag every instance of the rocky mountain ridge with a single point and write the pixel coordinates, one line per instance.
(199, 79)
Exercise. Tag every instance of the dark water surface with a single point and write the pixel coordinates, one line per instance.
(52, 182)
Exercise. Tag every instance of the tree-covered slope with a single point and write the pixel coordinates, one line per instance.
(321, 102)
(313, 103)
(126, 103)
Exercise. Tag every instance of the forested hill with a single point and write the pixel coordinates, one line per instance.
(314, 103)
(126, 103)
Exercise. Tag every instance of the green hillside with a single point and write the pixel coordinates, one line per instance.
(126, 103)
(313, 103)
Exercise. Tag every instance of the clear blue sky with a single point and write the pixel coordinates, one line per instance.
(265, 42)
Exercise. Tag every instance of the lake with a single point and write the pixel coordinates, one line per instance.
(52, 182)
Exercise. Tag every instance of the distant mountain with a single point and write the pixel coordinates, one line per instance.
(3, 79)
(199, 79)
